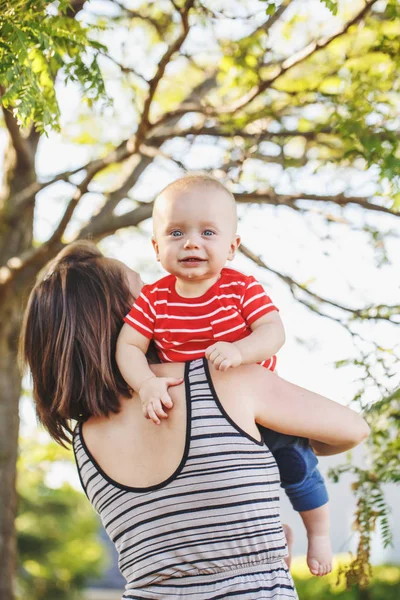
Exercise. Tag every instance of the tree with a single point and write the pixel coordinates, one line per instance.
(52, 560)
(38, 39)
(261, 88)
(34, 44)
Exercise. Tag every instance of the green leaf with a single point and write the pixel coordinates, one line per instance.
(332, 5)
(271, 9)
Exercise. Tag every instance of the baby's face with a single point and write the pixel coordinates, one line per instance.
(195, 231)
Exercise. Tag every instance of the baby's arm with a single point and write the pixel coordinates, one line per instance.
(131, 359)
(266, 338)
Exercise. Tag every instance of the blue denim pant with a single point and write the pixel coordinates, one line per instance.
(298, 468)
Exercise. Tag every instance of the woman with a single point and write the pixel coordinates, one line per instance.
(192, 506)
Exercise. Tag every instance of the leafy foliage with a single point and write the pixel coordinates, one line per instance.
(352, 84)
(58, 548)
(385, 583)
(383, 467)
(37, 39)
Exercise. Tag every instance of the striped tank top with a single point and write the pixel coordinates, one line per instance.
(212, 530)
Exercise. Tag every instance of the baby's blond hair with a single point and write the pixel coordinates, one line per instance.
(196, 179)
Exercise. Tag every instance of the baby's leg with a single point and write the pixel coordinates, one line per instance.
(319, 553)
(305, 488)
(310, 498)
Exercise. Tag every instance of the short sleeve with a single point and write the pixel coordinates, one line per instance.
(142, 315)
(255, 303)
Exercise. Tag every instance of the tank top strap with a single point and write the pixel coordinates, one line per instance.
(207, 417)
(201, 394)
(197, 376)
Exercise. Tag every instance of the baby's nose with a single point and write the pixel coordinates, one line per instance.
(192, 242)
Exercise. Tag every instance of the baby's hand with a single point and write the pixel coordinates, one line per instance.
(224, 355)
(154, 397)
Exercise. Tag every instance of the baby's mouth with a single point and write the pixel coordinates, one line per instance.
(192, 259)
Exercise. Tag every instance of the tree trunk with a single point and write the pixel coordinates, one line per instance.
(10, 388)
(15, 238)
(12, 305)
(364, 594)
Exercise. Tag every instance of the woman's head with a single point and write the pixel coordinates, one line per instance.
(71, 324)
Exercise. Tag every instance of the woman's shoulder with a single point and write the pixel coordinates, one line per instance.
(168, 369)
(239, 375)
(238, 378)
(250, 384)
(243, 372)
(247, 383)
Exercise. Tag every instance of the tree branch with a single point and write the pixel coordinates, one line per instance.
(362, 313)
(130, 146)
(116, 155)
(25, 158)
(34, 255)
(294, 60)
(124, 69)
(96, 230)
(154, 152)
(154, 82)
(75, 7)
(134, 14)
(140, 164)
(229, 133)
(175, 5)
(101, 229)
(270, 197)
(170, 121)
(265, 27)
(280, 159)
(122, 152)
(27, 195)
(119, 154)
(208, 110)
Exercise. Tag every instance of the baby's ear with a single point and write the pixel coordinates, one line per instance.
(155, 246)
(234, 246)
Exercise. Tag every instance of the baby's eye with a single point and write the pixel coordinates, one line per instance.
(176, 233)
(208, 232)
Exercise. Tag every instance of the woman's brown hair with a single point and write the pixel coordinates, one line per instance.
(69, 333)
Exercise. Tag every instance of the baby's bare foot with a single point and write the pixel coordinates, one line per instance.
(289, 539)
(319, 554)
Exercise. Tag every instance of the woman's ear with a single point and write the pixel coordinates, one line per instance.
(155, 246)
(234, 246)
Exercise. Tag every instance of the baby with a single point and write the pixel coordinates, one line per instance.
(202, 309)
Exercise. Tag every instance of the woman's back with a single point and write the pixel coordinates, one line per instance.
(212, 528)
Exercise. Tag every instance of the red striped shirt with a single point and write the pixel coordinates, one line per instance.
(183, 328)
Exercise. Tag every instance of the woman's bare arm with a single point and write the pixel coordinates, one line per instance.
(290, 409)
(251, 393)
